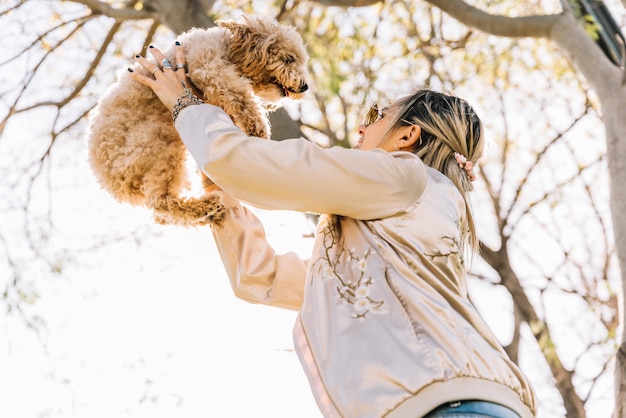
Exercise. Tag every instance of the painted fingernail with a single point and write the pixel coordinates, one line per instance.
(130, 70)
(177, 43)
(151, 46)
(137, 56)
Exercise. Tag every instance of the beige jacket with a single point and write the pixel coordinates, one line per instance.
(385, 327)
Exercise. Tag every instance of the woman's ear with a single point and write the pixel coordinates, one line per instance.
(410, 135)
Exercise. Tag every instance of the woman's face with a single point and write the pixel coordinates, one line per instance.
(372, 130)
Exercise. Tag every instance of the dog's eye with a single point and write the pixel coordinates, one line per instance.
(289, 59)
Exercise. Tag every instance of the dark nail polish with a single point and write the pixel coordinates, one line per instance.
(177, 43)
(151, 46)
(130, 70)
(137, 56)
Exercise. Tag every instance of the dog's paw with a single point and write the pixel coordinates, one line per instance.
(189, 212)
(260, 133)
(256, 128)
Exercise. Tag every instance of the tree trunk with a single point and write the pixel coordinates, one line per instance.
(500, 261)
(182, 15)
(614, 111)
(283, 127)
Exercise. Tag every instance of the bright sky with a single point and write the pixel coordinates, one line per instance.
(154, 331)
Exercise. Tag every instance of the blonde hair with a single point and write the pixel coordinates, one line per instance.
(448, 125)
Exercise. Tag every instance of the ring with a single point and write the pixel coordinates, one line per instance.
(179, 66)
(155, 69)
(166, 64)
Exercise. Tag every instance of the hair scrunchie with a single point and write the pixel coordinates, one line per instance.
(465, 165)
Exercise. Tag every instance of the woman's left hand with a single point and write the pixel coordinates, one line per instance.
(170, 79)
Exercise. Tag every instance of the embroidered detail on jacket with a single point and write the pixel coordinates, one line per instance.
(455, 249)
(354, 293)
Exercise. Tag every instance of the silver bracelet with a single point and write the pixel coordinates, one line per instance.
(188, 98)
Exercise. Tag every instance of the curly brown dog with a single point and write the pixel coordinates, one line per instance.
(246, 67)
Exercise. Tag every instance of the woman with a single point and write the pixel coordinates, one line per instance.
(385, 327)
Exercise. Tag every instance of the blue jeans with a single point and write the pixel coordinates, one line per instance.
(471, 409)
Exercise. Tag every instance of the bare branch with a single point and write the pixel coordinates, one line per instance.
(11, 9)
(512, 349)
(530, 206)
(531, 26)
(532, 167)
(28, 77)
(79, 20)
(105, 9)
(491, 188)
(605, 366)
(499, 260)
(89, 73)
(149, 36)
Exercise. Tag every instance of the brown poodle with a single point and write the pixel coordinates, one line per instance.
(246, 67)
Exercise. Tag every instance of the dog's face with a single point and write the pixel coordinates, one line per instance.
(271, 56)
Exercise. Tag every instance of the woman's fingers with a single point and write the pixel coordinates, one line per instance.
(181, 66)
(147, 64)
(163, 63)
(140, 78)
(168, 83)
(166, 64)
(157, 54)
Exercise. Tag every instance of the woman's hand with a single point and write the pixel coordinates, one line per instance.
(170, 84)
(170, 79)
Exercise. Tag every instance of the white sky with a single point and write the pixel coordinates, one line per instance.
(154, 331)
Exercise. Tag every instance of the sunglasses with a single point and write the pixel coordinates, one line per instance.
(373, 115)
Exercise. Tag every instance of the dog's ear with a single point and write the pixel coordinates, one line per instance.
(250, 28)
(236, 28)
(252, 37)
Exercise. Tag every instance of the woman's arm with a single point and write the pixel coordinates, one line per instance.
(297, 174)
(257, 274)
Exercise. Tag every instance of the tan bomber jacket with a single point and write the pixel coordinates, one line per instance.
(385, 327)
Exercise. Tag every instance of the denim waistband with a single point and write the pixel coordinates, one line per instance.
(480, 408)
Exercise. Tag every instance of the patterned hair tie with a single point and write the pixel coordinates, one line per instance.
(465, 165)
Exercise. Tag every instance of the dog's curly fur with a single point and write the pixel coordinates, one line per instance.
(247, 67)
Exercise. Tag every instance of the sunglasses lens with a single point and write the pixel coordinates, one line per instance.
(372, 115)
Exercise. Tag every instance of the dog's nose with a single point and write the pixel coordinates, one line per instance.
(304, 87)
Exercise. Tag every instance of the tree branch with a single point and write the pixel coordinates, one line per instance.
(533, 167)
(517, 27)
(88, 74)
(12, 110)
(499, 261)
(101, 8)
(562, 28)
(181, 15)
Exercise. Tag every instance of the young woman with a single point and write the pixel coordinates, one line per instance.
(385, 327)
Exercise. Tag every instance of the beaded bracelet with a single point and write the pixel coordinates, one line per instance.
(188, 98)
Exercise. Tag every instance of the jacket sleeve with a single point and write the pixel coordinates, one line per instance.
(256, 273)
(296, 174)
